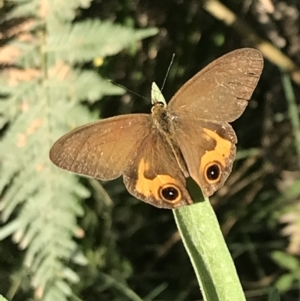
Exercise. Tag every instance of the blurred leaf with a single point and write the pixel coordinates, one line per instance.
(285, 282)
(274, 295)
(285, 260)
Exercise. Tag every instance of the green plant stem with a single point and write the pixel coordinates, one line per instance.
(292, 110)
(205, 245)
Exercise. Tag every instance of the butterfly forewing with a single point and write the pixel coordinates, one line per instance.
(103, 149)
(221, 90)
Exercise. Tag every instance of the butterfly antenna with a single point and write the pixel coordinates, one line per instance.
(168, 71)
(121, 86)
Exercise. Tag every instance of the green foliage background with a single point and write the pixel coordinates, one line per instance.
(64, 236)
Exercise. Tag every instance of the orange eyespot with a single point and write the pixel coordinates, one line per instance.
(212, 172)
(170, 193)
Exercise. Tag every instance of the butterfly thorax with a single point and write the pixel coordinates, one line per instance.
(162, 122)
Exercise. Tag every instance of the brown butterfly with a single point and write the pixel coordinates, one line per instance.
(189, 137)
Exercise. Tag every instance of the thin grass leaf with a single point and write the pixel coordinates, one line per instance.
(125, 290)
(292, 110)
(155, 292)
(205, 245)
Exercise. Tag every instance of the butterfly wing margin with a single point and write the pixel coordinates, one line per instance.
(154, 169)
(222, 89)
(103, 149)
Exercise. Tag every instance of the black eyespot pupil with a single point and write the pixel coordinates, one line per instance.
(213, 172)
(170, 193)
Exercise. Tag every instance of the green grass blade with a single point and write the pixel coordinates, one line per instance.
(292, 110)
(208, 252)
(128, 294)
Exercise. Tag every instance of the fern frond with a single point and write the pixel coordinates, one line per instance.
(62, 10)
(41, 98)
(92, 38)
(81, 84)
(66, 10)
(28, 56)
(23, 9)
